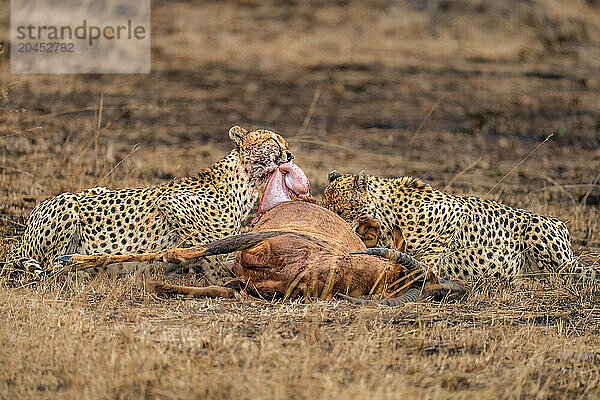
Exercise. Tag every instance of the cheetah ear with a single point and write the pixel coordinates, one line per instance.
(361, 182)
(237, 134)
(333, 175)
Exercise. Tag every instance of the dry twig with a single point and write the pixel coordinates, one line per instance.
(518, 165)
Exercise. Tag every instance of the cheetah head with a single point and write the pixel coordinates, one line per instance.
(261, 150)
(348, 196)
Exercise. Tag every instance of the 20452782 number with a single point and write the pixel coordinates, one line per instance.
(50, 47)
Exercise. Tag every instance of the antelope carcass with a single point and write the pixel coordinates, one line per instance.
(297, 248)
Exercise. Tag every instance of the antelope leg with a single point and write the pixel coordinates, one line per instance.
(243, 241)
(77, 262)
(194, 291)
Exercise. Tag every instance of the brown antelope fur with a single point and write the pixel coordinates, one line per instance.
(299, 248)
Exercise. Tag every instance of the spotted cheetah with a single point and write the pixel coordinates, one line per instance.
(464, 237)
(192, 210)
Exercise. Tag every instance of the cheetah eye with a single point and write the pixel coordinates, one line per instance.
(276, 143)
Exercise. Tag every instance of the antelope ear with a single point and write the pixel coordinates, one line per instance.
(361, 182)
(369, 232)
(237, 134)
(399, 242)
(333, 175)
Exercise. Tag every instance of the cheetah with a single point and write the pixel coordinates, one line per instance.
(190, 210)
(464, 237)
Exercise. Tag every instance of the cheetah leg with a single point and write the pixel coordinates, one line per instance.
(551, 250)
(53, 228)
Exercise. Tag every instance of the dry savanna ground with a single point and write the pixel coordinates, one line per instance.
(457, 93)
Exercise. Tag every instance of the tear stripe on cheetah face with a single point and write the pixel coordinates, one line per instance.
(264, 151)
(195, 210)
(465, 237)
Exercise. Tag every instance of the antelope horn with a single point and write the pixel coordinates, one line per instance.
(379, 252)
(412, 295)
(411, 263)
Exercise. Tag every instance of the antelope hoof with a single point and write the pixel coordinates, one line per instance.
(66, 258)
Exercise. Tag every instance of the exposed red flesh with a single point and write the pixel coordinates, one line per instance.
(286, 182)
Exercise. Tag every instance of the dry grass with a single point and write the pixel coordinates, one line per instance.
(107, 339)
(349, 96)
